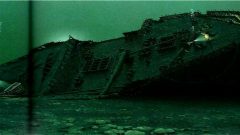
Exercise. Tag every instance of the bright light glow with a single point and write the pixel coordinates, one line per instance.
(203, 37)
(58, 36)
(206, 36)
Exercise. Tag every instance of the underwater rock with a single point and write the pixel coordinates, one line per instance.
(127, 127)
(101, 122)
(163, 131)
(111, 126)
(143, 128)
(114, 132)
(134, 132)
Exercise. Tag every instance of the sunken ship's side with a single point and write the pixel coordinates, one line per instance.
(164, 49)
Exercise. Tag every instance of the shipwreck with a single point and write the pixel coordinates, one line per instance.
(182, 48)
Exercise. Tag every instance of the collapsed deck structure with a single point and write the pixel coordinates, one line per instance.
(161, 49)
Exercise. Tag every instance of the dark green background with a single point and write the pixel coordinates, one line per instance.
(54, 21)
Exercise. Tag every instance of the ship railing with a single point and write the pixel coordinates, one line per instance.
(233, 20)
(152, 46)
(221, 13)
(14, 89)
(234, 14)
(226, 16)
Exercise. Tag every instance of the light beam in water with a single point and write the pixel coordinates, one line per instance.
(202, 38)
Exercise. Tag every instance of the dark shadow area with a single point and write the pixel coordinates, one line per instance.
(214, 77)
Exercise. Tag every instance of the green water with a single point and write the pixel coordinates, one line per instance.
(54, 21)
(94, 20)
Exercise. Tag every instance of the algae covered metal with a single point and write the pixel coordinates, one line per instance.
(161, 49)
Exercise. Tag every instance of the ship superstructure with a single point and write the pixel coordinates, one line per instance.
(95, 69)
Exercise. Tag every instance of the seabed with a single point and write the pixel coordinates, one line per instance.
(142, 116)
